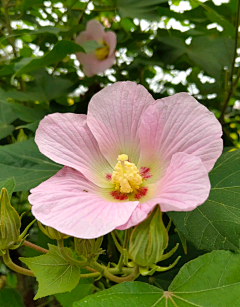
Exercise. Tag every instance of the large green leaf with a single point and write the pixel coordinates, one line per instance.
(7, 115)
(59, 52)
(9, 184)
(216, 223)
(84, 288)
(54, 274)
(210, 53)
(139, 8)
(44, 88)
(211, 280)
(48, 87)
(12, 110)
(10, 298)
(5, 130)
(24, 161)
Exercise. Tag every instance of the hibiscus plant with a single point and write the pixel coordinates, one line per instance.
(119, 153)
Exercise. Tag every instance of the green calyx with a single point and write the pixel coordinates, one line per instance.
(148, 240)
(88, 248)
(10, 223)
(51, 232)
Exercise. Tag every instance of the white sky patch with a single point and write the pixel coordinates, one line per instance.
(211, 96)
(188, 40)
(182, 7)
(205, 79)
(47, 3)
(215, 25)
(176, 77)
(79, 91)
(220, 2)
(236, 105)
(192, 89)
(122, 56)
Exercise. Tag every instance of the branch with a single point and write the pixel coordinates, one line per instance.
(36, 247)
(8, 261)
(233, 84)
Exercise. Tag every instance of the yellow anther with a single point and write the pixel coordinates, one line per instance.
(102, 52)
(122, 157)
(126, 175)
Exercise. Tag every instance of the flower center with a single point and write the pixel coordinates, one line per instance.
(102, 52)
(126, 175)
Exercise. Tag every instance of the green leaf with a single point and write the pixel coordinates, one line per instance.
(54, 274)
(33, 126)
(139, 8)
(7, 115)
(47, 87)
(84, 288)
(228, 28)
(90, 46)
(216, 223)
(210, 53)
(59, 52)
(9, 184)
(25, 4)
(16, 110)
(5, 130)
(10, 298)
(24, 161)
(210, 280)
(27, 114)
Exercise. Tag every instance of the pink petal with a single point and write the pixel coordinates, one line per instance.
(114, 116)
(63, 203)
(66, 139)
(180, 124)
(111, 39)
(81, 38)
(184, 186)
(92, 66)
(95, 30)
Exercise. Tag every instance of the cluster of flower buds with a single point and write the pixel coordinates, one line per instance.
(89, 249)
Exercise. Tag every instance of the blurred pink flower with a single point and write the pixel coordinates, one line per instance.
(126, 155)
(103, 57)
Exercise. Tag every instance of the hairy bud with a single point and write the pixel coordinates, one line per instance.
(148, 240)
(51, 232)
(9, 223)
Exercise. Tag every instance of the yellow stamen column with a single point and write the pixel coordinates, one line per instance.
(126, 176)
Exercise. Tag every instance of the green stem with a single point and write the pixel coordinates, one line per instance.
(108, 273)
(232, 84)
(36, 247)
(81, 15)
(91, 275)
(8, 261)
(125, 243)
(118, 246)
(68, 258)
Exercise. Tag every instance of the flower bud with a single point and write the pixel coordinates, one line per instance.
(88, 248)
(51, 232)
(9, 223)
(148, 240)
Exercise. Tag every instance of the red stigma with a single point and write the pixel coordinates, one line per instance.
(108, 177)
(118, 195)
(145, 172)
(140, 193)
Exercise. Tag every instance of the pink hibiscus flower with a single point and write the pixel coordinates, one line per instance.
(126, 155)
(103, 57)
